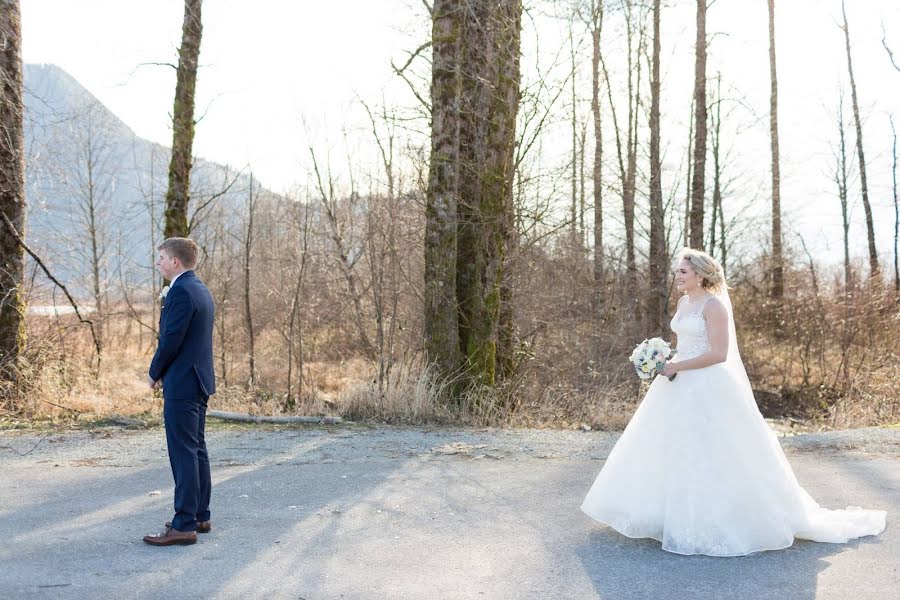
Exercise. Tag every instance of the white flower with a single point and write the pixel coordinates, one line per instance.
(658, 344)
(164, 293)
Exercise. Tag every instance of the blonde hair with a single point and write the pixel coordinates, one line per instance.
(184, 249)
(707, 267)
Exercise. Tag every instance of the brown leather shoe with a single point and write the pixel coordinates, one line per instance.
(171, 537)
(202, 526)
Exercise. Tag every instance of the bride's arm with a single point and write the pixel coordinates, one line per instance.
(717, 327)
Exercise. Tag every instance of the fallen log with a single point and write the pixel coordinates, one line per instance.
(282, 419)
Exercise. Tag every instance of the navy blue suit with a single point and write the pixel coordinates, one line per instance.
(184, 363)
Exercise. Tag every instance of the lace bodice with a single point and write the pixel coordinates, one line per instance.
(689, 325)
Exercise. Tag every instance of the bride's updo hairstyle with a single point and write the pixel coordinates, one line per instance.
(706, 267)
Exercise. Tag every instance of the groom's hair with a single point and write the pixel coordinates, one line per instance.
(184, 249)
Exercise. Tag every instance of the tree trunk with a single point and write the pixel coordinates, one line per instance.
(896, 206)
(248, 311)
(658, 272)
(630, 175)
(178, 193)
(686, 230)
(841, 176)
(596, 30)
(874, 269)
(490, 98)
(12, 192)
(441, 220)
(698, 189)
(716, 121)
(574, 208)
(98, 282)
(508, 95)
(777, 258)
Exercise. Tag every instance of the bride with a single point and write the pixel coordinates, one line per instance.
(698, 468)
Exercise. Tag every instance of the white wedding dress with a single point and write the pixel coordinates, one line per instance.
(699, 469)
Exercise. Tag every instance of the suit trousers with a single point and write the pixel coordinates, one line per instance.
(185, 421)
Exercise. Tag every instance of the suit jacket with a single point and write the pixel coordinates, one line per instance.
(184, 356)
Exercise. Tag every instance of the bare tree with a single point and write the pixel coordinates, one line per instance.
(874, 269)
(183, 123)
(573, 79)
(347, 253)
(12, 191)
(896, 194)
(698, 188)
(252, 204)
(658, 255)
(629, 183)
(686, 226)
(716, 139)
(841, 179)
(294, 330)
(626, 151)
(777, 258)
(87, 171)
(595, 24)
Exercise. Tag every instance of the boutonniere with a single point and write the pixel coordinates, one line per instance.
(163, 294)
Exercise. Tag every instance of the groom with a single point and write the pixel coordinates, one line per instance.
(183, 367)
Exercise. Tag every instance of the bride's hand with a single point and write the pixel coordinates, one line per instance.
(669, 369)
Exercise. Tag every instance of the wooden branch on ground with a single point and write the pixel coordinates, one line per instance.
(284, 420)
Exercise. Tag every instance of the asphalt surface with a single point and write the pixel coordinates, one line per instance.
(356, 512)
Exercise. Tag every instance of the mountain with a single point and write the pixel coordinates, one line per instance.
(87, 171)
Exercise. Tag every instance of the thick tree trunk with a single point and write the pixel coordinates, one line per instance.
(12, 192)
(178, 193)
(441, 218)
(490, 98)
(658, 272)
(698, 185)
(874, 269)
(777, 255)
(469, 227)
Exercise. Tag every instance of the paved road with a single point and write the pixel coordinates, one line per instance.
(370, 513)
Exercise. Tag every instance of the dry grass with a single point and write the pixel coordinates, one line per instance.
(561, 387)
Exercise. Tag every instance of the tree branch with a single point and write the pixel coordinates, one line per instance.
(37, 259)
(887, 48)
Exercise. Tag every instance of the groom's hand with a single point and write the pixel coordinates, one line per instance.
(154, 385)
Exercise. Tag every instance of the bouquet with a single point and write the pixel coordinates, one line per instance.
(650, 356)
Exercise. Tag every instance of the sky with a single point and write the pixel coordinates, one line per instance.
(276, 74)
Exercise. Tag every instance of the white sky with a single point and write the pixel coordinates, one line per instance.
(266, 65)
